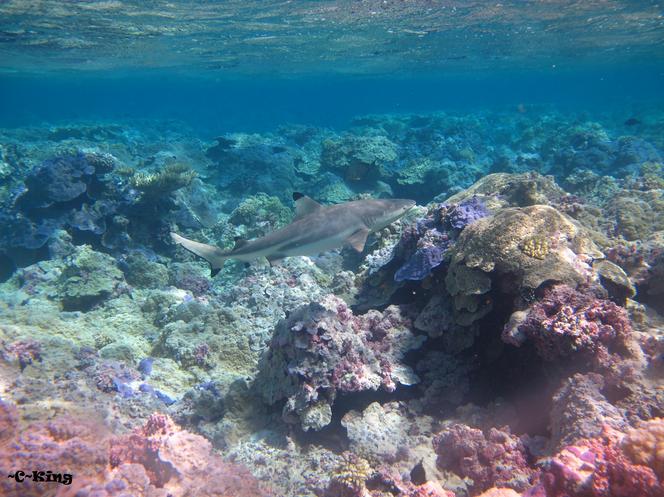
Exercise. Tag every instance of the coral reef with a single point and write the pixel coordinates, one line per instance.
(504, 338)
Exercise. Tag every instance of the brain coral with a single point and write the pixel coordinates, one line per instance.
(496, 244)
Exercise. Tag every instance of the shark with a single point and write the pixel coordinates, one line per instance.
(315, 228)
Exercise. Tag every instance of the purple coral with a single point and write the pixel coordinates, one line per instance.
(425, 244)
(466, 212)
(112, 376)
(201, 353)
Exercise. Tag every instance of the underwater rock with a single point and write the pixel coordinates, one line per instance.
(513, 190)
(580, 411)
(142, 272)
(445, 379)
(497, 244)
(378, 432)
(88, 278)
(636, 214)
(322, 350)
(615, 281)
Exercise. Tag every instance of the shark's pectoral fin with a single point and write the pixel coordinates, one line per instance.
(276, 259)
(304, 205)
(214, 271)
(214, 255)
(358, 239)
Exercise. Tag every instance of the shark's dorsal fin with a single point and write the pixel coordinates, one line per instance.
(358, 239)
(304, 205)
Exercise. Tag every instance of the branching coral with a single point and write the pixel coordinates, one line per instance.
(350, 476)
(170, 178)
(535, 246)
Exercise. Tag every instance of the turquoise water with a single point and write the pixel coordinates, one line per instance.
(352, 248)
(215, 103)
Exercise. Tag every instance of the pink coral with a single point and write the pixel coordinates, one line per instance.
(598, 468)
(173, 459)
(155, 460)
(566, 322)
(65, 445)
(497, 459)
(23, 351)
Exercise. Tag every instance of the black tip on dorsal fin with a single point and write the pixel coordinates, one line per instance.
(297, 196)
(214, 271)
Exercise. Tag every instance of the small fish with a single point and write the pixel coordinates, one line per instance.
(632, 121)
(315, 228)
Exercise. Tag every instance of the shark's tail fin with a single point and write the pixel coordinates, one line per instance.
(214, 255)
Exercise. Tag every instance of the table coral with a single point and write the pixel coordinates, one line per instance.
(323, 349)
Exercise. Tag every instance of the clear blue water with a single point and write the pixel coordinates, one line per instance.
(223, 103)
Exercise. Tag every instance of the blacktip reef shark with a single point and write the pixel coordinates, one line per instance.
(315, 228)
